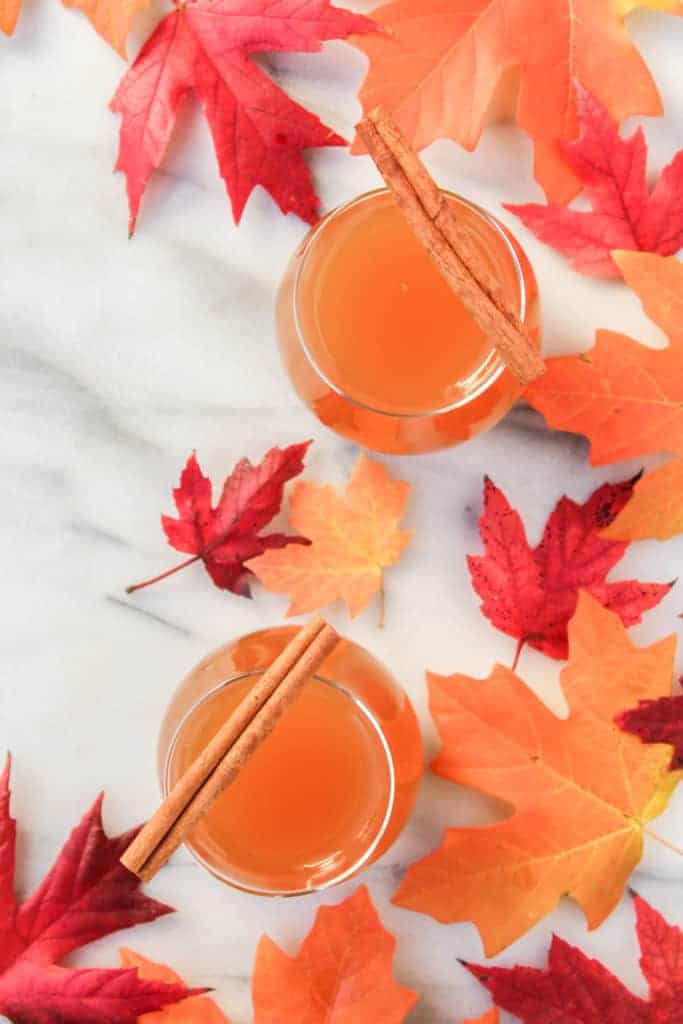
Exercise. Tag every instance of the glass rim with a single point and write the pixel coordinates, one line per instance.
(348, 872)
(494, 358)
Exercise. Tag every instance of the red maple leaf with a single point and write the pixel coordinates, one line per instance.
(625, 213)
(86, 895)
(657, 721)
(227, 536)
(531, 594)
(258, 131)
(574, 989)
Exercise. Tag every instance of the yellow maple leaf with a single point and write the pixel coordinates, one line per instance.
(582, 790)
(353, 537)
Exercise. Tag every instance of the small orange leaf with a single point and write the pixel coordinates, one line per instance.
(353, 537)
(343, 972)
(195, 1010)
(581, 791)
(111, 19)
(628, 399)
(440, 67)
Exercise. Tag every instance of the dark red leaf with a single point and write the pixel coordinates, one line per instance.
(88, 894)
(531, 594)
(227, 536)
(657, 721)
(625, 213)
(573, 989)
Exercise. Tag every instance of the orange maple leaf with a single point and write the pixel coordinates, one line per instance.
(195, 1010)
(582, 790)
(111, 19)
(441, 67)
(628, 399)
(343, 972)
(353, 537)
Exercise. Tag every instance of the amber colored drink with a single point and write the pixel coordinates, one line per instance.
(376, 342)
(325, 793)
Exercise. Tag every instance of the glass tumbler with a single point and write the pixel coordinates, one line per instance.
(325, 794)
(375, 342)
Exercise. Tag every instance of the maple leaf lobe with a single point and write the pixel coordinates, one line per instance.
(9, 15)
(111, 19)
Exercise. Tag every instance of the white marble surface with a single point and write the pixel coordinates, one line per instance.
(119, 357)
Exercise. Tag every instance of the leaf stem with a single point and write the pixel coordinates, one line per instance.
(663, 841)
(162, 575)
(518, 650)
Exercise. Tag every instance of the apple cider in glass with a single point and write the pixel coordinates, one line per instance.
(378, 345)
(324, 794)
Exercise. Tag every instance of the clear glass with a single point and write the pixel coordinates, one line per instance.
(325, 794)
(481, 393)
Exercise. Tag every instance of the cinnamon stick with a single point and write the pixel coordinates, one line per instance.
(448, 243)
(223, 758)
